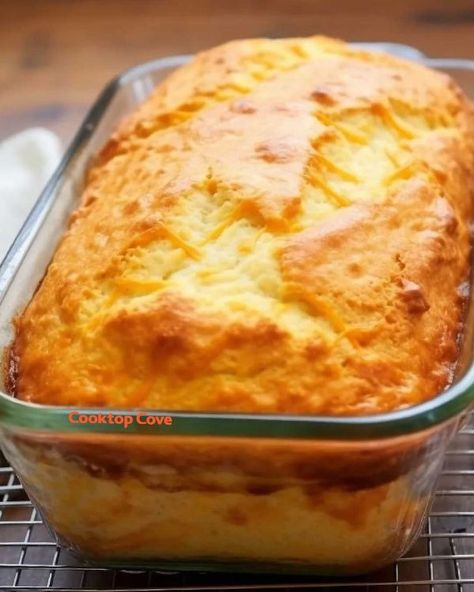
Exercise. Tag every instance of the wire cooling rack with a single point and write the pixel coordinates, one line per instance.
(442, 560)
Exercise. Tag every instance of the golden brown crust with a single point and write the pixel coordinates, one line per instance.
(283, 226)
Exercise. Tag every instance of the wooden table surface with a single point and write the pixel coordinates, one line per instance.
(55, 55)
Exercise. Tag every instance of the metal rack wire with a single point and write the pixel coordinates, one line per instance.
(442, 560)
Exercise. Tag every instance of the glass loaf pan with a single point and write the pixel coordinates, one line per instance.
(218, 491)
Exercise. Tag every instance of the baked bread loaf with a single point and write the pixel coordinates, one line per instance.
(283, 226)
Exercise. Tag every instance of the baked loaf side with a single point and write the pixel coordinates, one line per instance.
(282, 227)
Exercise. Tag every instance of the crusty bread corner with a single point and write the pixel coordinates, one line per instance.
(282, 227)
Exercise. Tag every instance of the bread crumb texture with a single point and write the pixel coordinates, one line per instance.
(283, 226)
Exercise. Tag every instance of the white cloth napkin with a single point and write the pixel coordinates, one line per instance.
(27, 160)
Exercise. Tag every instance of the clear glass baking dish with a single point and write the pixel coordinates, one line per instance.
(218, 491)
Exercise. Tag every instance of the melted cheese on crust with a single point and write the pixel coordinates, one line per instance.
(281, 227)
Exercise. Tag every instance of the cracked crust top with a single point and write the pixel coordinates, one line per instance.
(282, 227)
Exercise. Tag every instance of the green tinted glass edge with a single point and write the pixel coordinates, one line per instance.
(456, 400)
